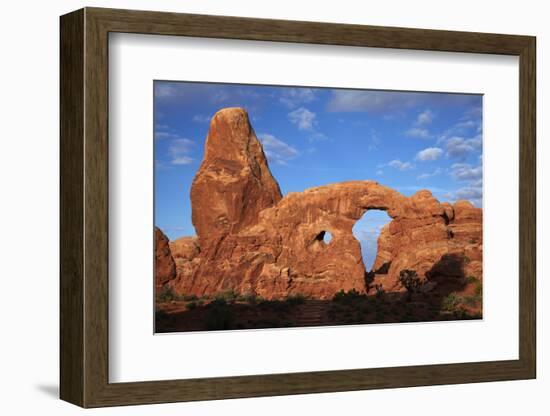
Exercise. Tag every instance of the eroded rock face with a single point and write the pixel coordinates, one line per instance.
(436, 244)
(165, 268)
(233, 183)
(252, 240)
(186, 248)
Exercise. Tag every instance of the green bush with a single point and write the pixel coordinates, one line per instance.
(166, 294)
(191, 305)
(471, 279)
(296, 299)
(189, 298)
(471, 301)
(228, 295)
(450, 302)
(410, 281)
(479, 288)
(348, 297)
(379, 291)
(248, 297)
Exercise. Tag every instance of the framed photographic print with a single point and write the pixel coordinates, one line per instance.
(301, 207)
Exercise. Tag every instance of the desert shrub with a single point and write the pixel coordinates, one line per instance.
(251, 298)
(471, 300)
(461, 313)
(471, 279)
(217, 302)
(191, 305)
(296, 299)
(450, 302)
(219, 315)
(228, 295)
(379, 291)
(166, 294)
(348, 297)
(479, 288)
(189, 298)
(248, 297)
(410, 281)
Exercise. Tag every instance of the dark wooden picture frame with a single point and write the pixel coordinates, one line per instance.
(84, 207)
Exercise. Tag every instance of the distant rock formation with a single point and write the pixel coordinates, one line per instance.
(165, 268)
(253, 240)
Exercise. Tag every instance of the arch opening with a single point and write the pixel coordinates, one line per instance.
(367, 230)
(324, 236)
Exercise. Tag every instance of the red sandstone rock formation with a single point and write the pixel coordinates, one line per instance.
(185, 251)
(253, 241)
(233, 183)
(165, 269)
(442, 240)
(186, 248)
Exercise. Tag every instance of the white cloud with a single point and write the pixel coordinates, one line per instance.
(418, 133)
(163, 90)
(474, 194)
(276, 150)
(380, 172)
(220, 95)
(303, 118)
(469, 192)
(460, 147)
(397, 164)
(293, 97)
(473, 177)
(179, 150)
(466, 172)
(317, 135)
(182, 160)
(160, 135)
(471, 122)
(464, 125)
(374, 140)
(475, 112)
(430, 153)
(425, 117)
(436, 172)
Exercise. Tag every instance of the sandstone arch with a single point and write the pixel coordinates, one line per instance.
(254, 240)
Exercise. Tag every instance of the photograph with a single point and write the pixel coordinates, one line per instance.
(298, 206)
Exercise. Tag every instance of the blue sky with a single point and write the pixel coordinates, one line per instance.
(316, 136)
